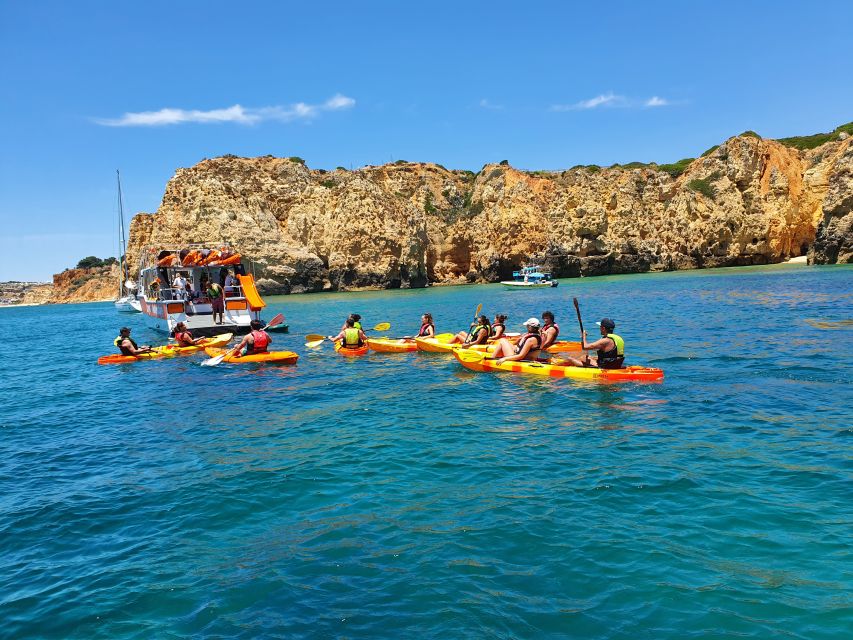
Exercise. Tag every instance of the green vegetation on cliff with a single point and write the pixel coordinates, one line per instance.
(810, 142)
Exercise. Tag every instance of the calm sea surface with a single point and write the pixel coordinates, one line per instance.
(401, 496)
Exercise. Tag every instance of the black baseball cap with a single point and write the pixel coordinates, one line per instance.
(607, 323)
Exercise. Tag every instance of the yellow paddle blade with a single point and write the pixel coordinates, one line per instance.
(382, 326)
(314, 343)
(312, 337)
(479, 309)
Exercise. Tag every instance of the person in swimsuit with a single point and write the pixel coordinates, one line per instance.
(527, 348)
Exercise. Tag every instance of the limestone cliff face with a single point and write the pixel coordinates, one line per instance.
(750, 201)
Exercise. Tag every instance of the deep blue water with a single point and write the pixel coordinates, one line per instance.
(402, 496)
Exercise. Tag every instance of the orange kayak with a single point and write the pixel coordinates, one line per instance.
(476, 361)
(344, 351)
(271, 357)
(167, 351)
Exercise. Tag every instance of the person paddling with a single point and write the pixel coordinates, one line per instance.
(353, 337)
(126, 344)
(184, 337)
(478, 334)
(527, 348)
(498, 326)
(610, 349)
(256, 341)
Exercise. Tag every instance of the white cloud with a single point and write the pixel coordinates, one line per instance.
(603, 100)
(655, 101)
(236, 114)
(485, 104)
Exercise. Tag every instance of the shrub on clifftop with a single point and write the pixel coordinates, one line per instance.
(92, 261)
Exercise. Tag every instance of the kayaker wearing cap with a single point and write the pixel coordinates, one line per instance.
(478, 334)
(256, 341)
(127, 346)
(184, 337)
(550, 330)
(527, 348)
(498, 326)
(352, 336)
(427, 329)
(610, 349)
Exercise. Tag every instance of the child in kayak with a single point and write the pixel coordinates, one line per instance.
(352, 336)
(527, 348)
(498, 326)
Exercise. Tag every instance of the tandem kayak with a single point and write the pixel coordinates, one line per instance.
(346, 351)
(476, 361)
(392, 345)
(167, 351)
(271, 357)
(441, 344)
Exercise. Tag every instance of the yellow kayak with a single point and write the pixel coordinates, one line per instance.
(167, 350)
(476, 361)
(392, 345)
(441, 344)
(272, 357)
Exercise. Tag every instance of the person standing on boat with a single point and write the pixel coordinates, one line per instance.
(610, 349)
(179, 284)
(217, 300)
(527, 348)
(126, 344)
(184, 337)
(352, 336)
(550, 330)
(231, 284)
(256, 341)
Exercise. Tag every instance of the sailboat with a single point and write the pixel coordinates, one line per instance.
(126, 302)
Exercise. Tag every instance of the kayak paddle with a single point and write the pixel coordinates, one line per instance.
(215, 360)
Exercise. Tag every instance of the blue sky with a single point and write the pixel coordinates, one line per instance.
(147, 87)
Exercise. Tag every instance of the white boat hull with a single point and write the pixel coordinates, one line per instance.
(128, 304)
(511, 284)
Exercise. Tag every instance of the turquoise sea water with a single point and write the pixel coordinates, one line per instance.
(398, 495)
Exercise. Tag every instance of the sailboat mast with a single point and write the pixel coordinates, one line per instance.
(122, 241)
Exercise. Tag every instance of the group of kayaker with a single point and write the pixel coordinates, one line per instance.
(610, 348)
(531, 346)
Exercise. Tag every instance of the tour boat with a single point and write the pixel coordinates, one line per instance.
(164, 306)
(530, 277)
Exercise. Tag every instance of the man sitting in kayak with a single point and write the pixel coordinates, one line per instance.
(127, 346)
(610, 349)
(550, 331)
(527, 348)
(256, 341)
(184, 337)
(478, 334)
(498, 326)
(352, 336)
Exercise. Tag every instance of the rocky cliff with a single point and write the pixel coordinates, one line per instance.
(748, 201)
(72, 285)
